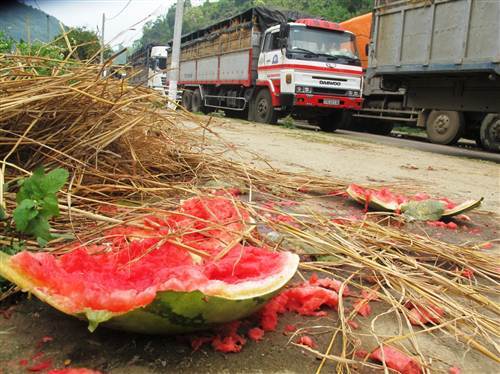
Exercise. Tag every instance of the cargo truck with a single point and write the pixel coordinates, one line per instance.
(266, 64)
(381, 109)
(445, 55)
(149, 67)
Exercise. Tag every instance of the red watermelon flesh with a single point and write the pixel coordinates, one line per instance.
(396, 360)
(131, 265)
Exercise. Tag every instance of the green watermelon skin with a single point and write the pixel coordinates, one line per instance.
(183, 312)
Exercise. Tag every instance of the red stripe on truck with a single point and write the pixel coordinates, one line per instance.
(309, 67)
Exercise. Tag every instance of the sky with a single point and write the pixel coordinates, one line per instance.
(124, 18)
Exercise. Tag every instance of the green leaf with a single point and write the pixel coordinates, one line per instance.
(427, 210)
(39, 227)
(54, 180)
(24, 213)
(31, 187)
(49, 207)
(2, 214)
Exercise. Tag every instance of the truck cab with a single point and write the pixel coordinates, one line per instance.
(312, 70)
(157, 68)
(149, 66)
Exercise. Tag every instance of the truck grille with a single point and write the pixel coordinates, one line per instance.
(328, 91)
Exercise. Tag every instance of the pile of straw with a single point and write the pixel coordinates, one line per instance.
(121, 146)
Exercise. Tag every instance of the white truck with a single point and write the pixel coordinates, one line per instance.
(267, 64)
(149, 67)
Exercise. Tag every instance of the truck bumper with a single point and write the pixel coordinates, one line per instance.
(325, 101)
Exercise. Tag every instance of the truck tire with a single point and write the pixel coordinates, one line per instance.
(263, 110)
(187, 97)
(490, 132)
(326, 124)
(380, 127)
(445, 126)
(339, 119)
(197, 102)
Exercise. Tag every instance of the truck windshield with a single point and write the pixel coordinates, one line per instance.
(323, 43)
(162, 63)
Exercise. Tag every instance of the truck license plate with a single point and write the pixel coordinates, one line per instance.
(331, 101)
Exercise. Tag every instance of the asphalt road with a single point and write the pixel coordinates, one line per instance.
(463, 149)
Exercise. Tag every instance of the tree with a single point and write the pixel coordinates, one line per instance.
(160, 31)
(85, 41)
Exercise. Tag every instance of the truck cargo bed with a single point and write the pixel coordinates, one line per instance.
(435, 36)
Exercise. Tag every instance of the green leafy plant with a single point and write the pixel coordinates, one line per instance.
(37, 203)
(288, 122)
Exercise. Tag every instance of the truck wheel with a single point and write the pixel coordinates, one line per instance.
(326, 124)
(490, 132)
(187, 97)
(197, 102)
(263, 110)
(445, 127)
(381, 127)
(339, 119)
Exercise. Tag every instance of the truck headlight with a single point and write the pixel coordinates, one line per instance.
(303, 89)
(353, 93)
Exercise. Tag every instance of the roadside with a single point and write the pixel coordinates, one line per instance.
(365, 158)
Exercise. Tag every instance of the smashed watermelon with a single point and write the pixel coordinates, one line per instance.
(387, 201)
(147, 279)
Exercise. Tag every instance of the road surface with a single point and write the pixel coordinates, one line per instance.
(454, 172)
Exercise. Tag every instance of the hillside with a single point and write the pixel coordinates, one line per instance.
(160, 30)
(14, 17)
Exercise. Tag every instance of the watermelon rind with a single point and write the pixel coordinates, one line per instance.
(374, 203)
(426, 210)
(410, 207)
(171, 312)
(463, 207)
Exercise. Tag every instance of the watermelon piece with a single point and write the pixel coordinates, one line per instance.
(329, 283)
(138, 281)
(396, 360)
(362, 307)
(385, 200)
(256, 334)
(307, 341)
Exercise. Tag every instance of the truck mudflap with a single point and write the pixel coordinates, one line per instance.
(328, 101)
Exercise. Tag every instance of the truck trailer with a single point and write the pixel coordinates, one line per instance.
(266, 64)
(445, 55)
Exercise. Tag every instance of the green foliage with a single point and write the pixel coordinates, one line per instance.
(288, 122)
(37, 203)
(6, 43)
(160, 31)
(86, 42)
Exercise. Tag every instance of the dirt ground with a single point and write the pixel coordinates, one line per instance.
(342, 157)
(22, 331)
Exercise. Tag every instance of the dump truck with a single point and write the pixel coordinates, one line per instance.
(149, 67)
(265, 64)
(381, 109)
(445, 55)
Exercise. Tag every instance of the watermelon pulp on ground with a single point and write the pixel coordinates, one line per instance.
(145, 280)
(385, 200)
